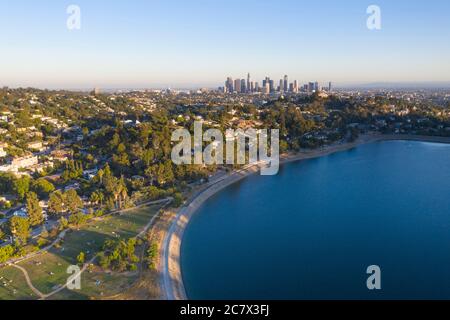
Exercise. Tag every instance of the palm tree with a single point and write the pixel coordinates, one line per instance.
(121, 192)
(100, 175)
(94, 197)
(101, 198)
(97, 197)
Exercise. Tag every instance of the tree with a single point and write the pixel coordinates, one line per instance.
(21, 186)
(165, 173)
(152, 173)
(34, 210)
(81, 258)
(119, 255)
(6, 253)
(97, 197)
(100, 175)
(120, 192)
(56, 203)
(19, 229)
(63, 223)
(148, 156)
(177, 200)
(73, 201)
(43, 187)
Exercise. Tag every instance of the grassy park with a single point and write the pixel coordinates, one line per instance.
(48, 271)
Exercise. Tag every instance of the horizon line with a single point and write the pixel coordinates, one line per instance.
(336, 85)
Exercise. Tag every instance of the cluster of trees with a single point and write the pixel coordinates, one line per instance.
(119, 255)
(111, 191)
(19, 229)
(73, 170)
(6, 253)
(151, 255)
(21, 186)
(67, 202)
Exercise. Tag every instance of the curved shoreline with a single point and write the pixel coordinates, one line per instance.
(171, 278)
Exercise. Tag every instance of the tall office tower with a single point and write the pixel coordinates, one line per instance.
(248, 82)
(265, 81)
(267, 88)
(237, 85)
(252, 87)
(286, 83)
(281, 85)
(329, 86)
(311, 87)
(230, 85)
(316, 86)
(243, 86)
(295, 86)
(291, 87)
(272, 86)
(305, 88)
(256, 86)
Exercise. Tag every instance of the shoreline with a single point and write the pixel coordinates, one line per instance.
(171, 276)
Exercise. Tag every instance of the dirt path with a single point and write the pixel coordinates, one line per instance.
(140, 235)
(29, 283)
(61, 236)
(85, 266)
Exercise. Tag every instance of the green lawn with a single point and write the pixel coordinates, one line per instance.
(13, 285)
(49, 271)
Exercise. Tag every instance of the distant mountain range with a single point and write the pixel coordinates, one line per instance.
(399, 85)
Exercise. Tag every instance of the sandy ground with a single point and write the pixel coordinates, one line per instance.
(169, 268)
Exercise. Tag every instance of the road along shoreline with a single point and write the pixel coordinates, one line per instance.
(171, 276)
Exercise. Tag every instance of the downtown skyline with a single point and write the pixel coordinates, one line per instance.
(190, 45)
(269, 85)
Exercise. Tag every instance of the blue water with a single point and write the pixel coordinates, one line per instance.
(311, 231)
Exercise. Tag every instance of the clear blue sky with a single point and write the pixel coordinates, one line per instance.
(177, 43)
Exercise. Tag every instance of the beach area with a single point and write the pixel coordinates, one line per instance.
(169, 268)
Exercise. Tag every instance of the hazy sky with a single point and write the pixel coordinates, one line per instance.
(179, 43)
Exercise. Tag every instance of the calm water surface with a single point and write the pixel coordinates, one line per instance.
(311, 231)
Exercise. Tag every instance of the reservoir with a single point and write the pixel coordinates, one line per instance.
(312, 231)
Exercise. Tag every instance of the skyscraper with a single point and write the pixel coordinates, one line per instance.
(281, 85)
(248, 83)
(295, 86)
(243, 86)
(291, 87)
(316, 87)
(267, 87)
(286, 83)
(229, 85)
(329, 86)
(237, 85)
(265, 81)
